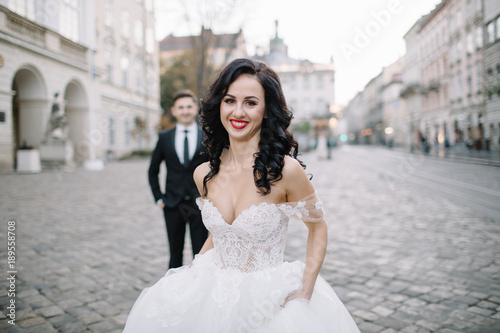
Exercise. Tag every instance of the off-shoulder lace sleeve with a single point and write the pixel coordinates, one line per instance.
(308, 209)
(200, 201)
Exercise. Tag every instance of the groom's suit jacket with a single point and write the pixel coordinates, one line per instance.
(179, 183)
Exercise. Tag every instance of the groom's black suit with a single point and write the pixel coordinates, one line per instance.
(179, 197)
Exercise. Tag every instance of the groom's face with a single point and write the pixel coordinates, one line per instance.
(185, 111)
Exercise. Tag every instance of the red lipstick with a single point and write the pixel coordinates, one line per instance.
(238, 124)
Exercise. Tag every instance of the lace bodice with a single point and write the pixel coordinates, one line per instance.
(256, 238)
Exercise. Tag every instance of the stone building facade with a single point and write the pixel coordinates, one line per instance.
(52, 49)
(450, 77)
(377, 114)
(410, 90)
(466, 76)
(492, 68)
(394, 126)
(308, 88)
(433, 36)
(127, 61)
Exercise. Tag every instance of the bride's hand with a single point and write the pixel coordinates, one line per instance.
(303, 295)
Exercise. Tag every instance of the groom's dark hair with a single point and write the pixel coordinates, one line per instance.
(184, 93)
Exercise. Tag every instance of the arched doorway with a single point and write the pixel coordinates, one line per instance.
(30, 109)
(76, 108)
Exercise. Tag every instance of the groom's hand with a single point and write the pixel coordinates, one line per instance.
(160, 203)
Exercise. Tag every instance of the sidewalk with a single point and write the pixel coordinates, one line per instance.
(459, 154)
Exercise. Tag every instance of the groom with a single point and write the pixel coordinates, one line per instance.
(180, 149)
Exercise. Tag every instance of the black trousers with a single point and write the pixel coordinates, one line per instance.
(176, 218)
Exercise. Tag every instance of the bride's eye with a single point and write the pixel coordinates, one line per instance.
(229, 100)
(251, 103)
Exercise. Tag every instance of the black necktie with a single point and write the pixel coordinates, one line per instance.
(186, 149)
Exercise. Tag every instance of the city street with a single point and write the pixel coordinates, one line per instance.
(413, 243)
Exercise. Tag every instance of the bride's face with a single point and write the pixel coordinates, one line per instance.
(242, 108)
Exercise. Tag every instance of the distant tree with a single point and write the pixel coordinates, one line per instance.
(195, 69)
(175, 78)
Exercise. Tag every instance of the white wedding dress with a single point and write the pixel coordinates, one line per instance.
(241, 284)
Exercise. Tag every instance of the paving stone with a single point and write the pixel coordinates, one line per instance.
(367, 315)
(487, 305)
(405, 317)
(414, 329)
(465, 299)
(398, 298)
(104, 326)
(28, 293)
(31, 321)
(24, 313)
(382, 311)
(454, 304)
(460, 292)
(367, 327)
(4, 324)
(14, 329)
(483, 321)
(459, 325)
(478, 295)
(494, 299)
(120, 319)
(480, 311)
(430, 298)
(51, 311)
(398, 286)
(415, 302)
(43, 328)
(69, 302)
(37, 301)
(428, 325)
(391, 323)
(420, 289)
(104, 308)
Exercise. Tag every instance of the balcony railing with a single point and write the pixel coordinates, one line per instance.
(410, 89)
(30, 33)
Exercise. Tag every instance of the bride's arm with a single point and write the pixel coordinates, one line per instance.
(315, 254)
(298, 186)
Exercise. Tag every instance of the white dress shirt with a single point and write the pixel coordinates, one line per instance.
(192, 138)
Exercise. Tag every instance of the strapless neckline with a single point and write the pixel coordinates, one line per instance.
(251, 207)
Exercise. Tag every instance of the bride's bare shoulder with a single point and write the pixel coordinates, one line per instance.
(200, 172)
(295, 180)
(292, 168)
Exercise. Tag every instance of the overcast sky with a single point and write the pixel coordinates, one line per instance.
(361, 35)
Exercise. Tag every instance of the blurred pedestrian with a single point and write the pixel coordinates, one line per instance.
(180, 148)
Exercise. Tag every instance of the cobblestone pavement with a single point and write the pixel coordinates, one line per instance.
(401, 260)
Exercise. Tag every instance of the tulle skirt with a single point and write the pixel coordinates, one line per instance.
(205, 298)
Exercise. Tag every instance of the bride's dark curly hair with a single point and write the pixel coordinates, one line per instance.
(275, 139)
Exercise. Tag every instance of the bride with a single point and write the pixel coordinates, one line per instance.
(252, 187)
